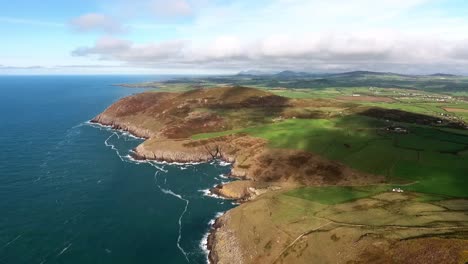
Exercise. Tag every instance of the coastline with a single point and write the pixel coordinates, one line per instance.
(167, 122)
(258, 170)
(119, 127)
(208, 240)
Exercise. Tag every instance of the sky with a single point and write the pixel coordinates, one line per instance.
(226, 36)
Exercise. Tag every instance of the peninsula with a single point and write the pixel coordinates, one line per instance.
(348, 176)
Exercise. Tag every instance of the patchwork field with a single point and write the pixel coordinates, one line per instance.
(426, 159)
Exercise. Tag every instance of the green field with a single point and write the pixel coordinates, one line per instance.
(431, 159)
(427, 159)
(336, 194)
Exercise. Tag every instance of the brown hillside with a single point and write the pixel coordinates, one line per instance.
(180, 115)
(170, 119)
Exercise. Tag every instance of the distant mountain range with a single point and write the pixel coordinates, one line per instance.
(354, 74)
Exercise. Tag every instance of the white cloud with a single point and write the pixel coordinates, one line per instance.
(96, 22)
(295, 52)
(298, 34)
(110, 48)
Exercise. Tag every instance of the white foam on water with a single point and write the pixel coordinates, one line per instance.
(159, 165)
(97, 125)
(208, 193)
(106, 142)
(224, 163)
(80, 125)
(184, 167)
(135, 161)
(177, 163)
(110, 128)
(222, 176)
(155, 165)
(12, 241)
(205, 192)
(204, 241)
(64, 249)
(169, 192)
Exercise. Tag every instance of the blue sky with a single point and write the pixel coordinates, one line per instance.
(221, 36)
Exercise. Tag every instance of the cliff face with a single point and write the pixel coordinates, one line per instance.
(253, 160)
(129, 114)
(223, 244)
(124, 125)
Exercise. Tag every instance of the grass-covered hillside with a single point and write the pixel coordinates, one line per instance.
(322, 168)
(417, 140)
(428, 159)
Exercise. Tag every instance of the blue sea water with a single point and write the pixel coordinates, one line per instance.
(69, 194)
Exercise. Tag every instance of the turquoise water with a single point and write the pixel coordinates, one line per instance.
(69, 194)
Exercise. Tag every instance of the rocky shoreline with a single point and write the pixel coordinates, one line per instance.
(212, 256)
(257, 171)
(167, 122)
(241, 196)
(133, 130)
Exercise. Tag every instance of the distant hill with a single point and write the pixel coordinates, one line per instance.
(254, 73)
(293, 74)
(362, 73)
(288, 74)
(442, 75)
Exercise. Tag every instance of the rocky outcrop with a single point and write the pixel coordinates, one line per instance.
(246, 190)
(171, 151)
(236, 190)
(123, 125)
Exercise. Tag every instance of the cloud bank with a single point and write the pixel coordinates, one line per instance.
(416, 36)
(321, 51)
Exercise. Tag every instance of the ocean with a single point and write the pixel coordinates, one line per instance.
(69, 193)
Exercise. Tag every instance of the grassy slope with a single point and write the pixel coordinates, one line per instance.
(336, 194)
(424, 157)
